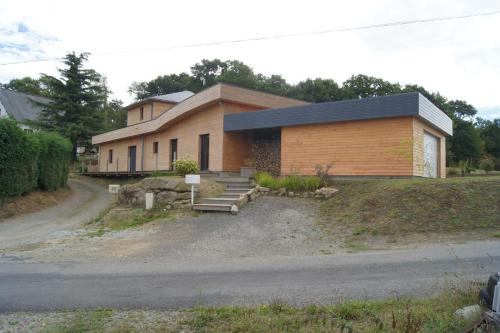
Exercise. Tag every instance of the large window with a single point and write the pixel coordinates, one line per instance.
(110, 156)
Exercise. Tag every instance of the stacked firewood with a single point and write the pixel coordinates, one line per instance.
(266, 155)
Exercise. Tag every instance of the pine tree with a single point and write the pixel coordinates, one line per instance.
(77, 100)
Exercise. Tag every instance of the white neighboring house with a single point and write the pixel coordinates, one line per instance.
(20, 106)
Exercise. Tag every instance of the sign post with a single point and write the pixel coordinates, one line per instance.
(192, 180)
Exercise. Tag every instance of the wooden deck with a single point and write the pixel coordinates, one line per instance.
(123, 174)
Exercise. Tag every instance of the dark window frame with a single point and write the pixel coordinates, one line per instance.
(155, 147)
(141, 113)
(110, 156)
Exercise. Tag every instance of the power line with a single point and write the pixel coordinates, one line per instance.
(280, 36)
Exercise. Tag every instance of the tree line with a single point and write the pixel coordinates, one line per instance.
(81, 105)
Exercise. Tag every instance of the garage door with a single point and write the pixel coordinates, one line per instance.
(430, 155)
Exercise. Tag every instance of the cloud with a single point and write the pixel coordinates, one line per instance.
(21, 27)
(491, 112)
(18, 42)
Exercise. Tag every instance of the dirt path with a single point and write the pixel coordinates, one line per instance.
(87, 201)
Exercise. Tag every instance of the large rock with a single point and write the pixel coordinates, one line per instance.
(164, 183)
(168, 197)
(132, 194)
(166, 190)
(326, 192)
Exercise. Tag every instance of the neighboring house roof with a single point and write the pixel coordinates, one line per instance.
(174, 98)
(209, 96)
(20, 106)
(408, 104)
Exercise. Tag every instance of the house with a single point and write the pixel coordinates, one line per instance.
(20, 106)
(399, 135)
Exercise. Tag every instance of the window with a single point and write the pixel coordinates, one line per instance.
(155, 147)
(142, 113)
(110, 156)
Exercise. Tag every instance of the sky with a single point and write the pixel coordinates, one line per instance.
(130, 41)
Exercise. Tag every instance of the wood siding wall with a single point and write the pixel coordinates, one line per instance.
(208, 120)
(419, 127)
(379, 147)
(151, 111)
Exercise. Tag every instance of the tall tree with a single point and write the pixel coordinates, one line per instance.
(317, 90)
(238, 73)
(77, 99)
(28, 85)
(466, 142)
(274, 84)
(165, 84)
(207, 72)
(115, 115)
(362, 86)
(490, 133)
(462, 110)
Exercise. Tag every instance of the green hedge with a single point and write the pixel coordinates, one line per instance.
(53, 164)
(29, 161)
(18, 160)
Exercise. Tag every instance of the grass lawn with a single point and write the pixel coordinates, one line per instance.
(393, 315)
(397, 208)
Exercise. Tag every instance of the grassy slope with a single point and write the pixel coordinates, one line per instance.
(399, 207)
(394, 315)
(136, 217)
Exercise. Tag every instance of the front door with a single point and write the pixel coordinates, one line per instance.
(173, 153)
(204, 152)
(430, 156)
(131, 158)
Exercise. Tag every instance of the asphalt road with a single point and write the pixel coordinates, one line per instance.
(44, 287)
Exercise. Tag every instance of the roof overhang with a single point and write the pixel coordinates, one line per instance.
(212, 95)
(399, 105)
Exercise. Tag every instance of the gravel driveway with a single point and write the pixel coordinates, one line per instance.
(270, 226)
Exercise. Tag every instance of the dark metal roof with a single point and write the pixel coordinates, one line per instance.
(173, 98)
(20, 106)
(408, 104)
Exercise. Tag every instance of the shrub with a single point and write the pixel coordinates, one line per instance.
(290, 183)
(312, 183)
(53, 164)
(18, 159)
(452, 172)
(323, 173)
(264, 179)
(487, 165)
(185, 166)
(465, 167)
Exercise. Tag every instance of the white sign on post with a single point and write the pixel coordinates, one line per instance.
(192, 180)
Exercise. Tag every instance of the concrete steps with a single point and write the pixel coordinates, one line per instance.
(213, 207)
(233, 198)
